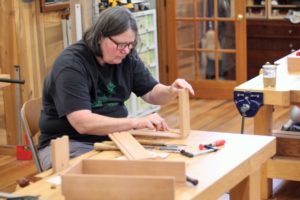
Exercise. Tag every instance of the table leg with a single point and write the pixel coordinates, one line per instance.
(248, 189)
(263, 120)
(263, 126)
(266, 183)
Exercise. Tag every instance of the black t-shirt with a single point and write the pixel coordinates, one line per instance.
(77, 81)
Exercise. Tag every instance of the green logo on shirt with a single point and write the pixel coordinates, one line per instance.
(103, 95)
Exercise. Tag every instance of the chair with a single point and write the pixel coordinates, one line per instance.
(30, 115)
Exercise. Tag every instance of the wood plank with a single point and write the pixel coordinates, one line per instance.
(113, 187)
(284, 168)
(155, 134)
(154, 179)
(153, 168)
(184, 113)
(60, 153)
(129, 146)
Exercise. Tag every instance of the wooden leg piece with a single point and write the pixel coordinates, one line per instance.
(60, 153)
(184, 111)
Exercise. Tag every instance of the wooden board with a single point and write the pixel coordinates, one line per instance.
(184, 113)
(93, 187)
(288, 143)
(60, 153)
(152, 133)
(129, 146)
(153, 168)
(282, 167)
(132, 179)
(184, 121)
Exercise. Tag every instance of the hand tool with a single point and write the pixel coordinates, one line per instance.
(151, 143)
(192, 180)
(212, 145)
(192, 154)
(158, 143)
(10, 196)
(109, 146)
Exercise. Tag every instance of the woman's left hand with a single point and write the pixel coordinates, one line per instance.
(179, 84)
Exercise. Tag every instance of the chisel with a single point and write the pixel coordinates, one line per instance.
(190, 154)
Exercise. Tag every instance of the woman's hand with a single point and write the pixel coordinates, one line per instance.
(179, 84)
(152, 121)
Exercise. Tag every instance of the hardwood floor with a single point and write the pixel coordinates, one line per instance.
(206, 115)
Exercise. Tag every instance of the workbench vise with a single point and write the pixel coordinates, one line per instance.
(248, 103)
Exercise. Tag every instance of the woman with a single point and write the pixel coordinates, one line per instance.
(84, 93)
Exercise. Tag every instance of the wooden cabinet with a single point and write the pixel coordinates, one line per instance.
(271, 9)
(268, 40)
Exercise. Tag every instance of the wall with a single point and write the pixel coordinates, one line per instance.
(32, 40)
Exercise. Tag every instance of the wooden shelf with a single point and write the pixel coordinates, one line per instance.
(269, 11)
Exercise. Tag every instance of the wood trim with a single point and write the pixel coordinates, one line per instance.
(8, 150)
(171, 41)
(55, 6)
(277, 168)
(162, 35)
(241, 42)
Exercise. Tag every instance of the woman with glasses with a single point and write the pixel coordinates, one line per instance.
(85, 91)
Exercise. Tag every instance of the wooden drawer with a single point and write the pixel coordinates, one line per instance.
(269, 40)
(272, 28)
(287, 143)
(286, 44)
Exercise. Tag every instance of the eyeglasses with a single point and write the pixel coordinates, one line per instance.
(122, 46)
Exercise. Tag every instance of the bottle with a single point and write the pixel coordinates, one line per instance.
(269, 75)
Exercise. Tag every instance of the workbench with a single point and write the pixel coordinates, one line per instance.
(286, 93)
(235, 168)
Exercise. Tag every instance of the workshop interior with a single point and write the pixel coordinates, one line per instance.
(236, 138)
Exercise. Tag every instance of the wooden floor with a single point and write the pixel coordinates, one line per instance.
(206, 115)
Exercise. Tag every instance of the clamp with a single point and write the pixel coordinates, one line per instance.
(248, 104)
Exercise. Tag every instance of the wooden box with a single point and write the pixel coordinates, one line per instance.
(287, 143)
(122, 179)
(293, 63)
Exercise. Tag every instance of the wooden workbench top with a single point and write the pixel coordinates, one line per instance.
(286, 92)
(217, 172)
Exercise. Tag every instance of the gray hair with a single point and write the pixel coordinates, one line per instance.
(112, 21)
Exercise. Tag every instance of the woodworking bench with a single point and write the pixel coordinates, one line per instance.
(286, 93)
(235, 168)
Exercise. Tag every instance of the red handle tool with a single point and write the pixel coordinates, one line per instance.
(211, 145)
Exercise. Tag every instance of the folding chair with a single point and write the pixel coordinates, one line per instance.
(30, 115)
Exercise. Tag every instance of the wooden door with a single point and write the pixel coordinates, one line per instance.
(207, 45)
